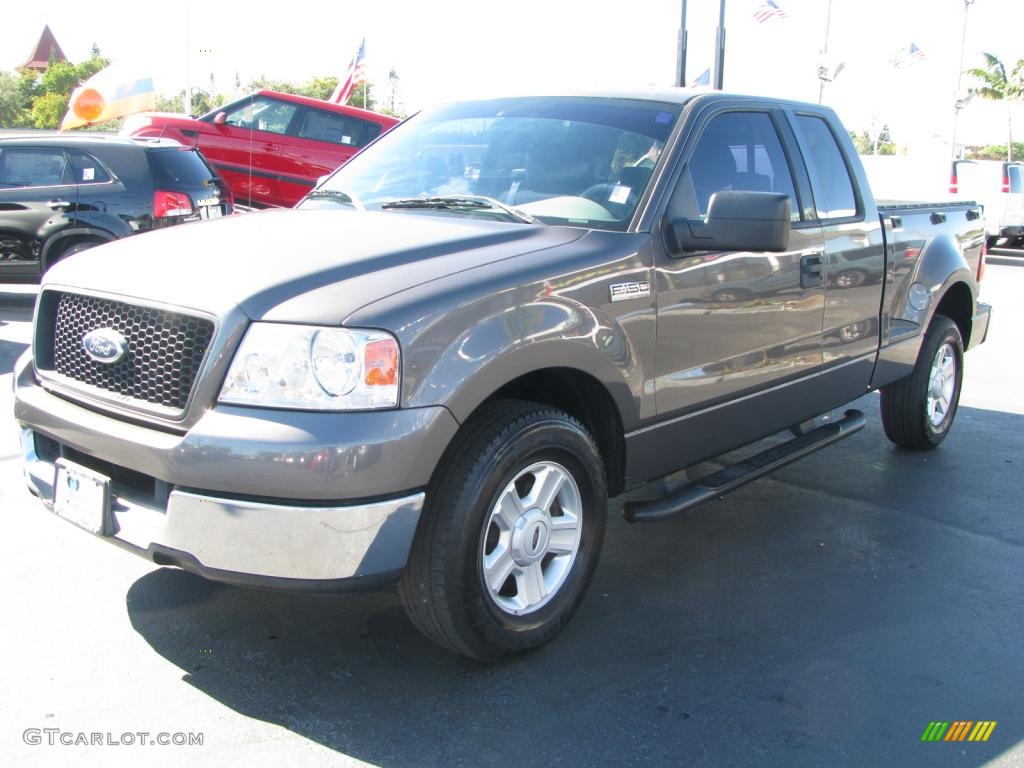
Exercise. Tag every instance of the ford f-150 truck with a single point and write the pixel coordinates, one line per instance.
(438, 369)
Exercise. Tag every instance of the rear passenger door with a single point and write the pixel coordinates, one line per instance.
(854, 251)
(734, 322)
(325, 140)
(38, 198)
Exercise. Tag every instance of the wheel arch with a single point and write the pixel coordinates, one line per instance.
(957, 303)
(63, 240)
(583, 397)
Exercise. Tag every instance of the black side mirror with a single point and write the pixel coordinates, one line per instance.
(736, 221)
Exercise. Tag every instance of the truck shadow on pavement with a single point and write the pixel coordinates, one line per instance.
(808, 619)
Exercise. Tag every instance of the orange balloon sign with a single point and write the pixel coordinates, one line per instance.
(89, 105)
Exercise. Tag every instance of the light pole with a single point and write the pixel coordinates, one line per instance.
(960, 100)
(681, 51)
(718, 76)
(823, 73)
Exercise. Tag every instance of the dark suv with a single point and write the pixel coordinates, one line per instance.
(63, 194)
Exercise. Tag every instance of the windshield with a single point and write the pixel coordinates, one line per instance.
(577, 161)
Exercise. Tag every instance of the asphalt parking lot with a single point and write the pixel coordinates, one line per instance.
(822, 616)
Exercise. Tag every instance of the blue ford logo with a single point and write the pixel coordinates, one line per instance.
(105, 345)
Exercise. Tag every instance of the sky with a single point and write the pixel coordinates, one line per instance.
(454, 49)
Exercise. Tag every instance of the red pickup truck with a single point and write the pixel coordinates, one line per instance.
(271, 147)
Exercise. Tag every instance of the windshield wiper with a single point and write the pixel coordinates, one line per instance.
(460, 203)
(339, 196)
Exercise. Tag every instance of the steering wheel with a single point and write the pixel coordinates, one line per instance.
(599, 193)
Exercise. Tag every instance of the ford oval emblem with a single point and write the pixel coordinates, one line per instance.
(105, 345)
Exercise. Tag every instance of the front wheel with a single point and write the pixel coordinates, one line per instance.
(510, 534)
(918, 411)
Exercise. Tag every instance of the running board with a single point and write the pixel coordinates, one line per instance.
(729, 479)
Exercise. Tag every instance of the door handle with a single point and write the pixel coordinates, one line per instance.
(811, 263)
(55, 204)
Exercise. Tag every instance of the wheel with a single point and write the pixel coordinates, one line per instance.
(71, 250)
(731, 295)
(918, 411)
(849, 278)
(510, 533)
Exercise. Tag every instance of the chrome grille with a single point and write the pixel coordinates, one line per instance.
(164, 349)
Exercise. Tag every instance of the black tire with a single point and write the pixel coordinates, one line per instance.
(905, 403)
(71, 250)
(849, 278)
(443, 588)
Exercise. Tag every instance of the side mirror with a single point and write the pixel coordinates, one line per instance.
(220, 118)
(736, 221)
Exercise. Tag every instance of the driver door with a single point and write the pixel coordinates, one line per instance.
(735, 323)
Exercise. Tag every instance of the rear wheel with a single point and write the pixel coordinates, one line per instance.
(918, 411)
(510, 535)
(70, 250)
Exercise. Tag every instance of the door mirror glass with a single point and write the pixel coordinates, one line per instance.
(736, 221)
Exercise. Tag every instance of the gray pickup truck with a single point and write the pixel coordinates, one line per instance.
(439, 367)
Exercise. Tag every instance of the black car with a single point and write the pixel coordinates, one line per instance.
(62, 194)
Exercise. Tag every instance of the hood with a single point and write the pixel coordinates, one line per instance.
(141, 120)
(315, 266)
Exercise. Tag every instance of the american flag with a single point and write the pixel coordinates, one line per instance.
(356, 75)
(768, 10)
(704, 79)
(907, 56)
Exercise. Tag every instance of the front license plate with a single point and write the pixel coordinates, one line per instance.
(81, 496)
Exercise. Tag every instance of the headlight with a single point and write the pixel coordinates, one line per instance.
(303, 366)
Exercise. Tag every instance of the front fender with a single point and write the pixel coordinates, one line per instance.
(524, 339)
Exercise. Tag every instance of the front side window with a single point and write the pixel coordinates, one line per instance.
(34, 167)
(576, 161)
(833, 190)
(261, 114)
(738, 151)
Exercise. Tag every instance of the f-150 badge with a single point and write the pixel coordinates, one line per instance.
(623, 291)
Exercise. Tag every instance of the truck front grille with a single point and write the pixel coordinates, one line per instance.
(164, 349)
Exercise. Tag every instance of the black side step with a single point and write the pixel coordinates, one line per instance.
(731, 478)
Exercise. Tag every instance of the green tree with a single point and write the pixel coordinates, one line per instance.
(362, 96)
(202, 102)
(997, 85)
(318, 87)
(12, 102)
(51, 92)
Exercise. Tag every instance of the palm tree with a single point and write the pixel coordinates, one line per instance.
(997, 86)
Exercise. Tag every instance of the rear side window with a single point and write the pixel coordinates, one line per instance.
(740, 151)
(318, 125)
(87, 169)
(833, 190)
(34, 167)
(174, 168)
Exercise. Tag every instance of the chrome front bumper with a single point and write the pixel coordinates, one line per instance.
(256, 543)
